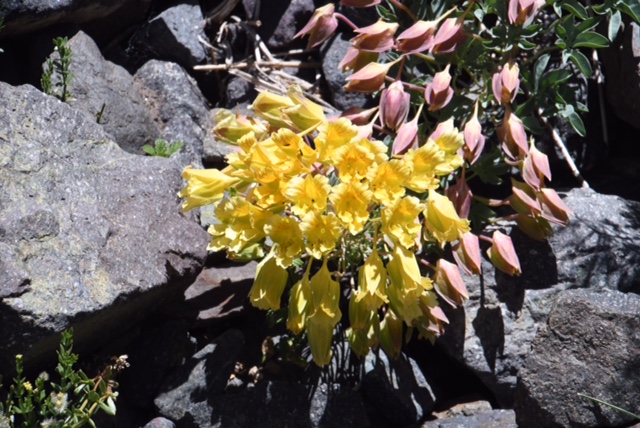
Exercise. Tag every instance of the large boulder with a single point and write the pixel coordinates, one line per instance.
(598, 250)
(94, 232)
(588, 346)
(100, 88)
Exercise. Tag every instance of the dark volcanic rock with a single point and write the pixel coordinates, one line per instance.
(493, 419)
(589, 346)
(99, 85)
(97, 231)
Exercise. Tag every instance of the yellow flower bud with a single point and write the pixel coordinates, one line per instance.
(204, 186)
(269, 284)
(442, 220)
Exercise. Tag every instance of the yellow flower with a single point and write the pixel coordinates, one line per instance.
(269, 107)
(305, 114)
(400, 221)
(269, 284)
(353, 162)
(388, 180)
(287, 238)
(332, 136)
(204, 186)
(350, 203)
(372, 282)
(325, 314)
(423, 164)
(231, 127)
(378, 148)
(442, 220)
(299, 304)
(391, 334)
(308, 193)
(321, 231)
(294, 147)
(407, 285)
(241, 225)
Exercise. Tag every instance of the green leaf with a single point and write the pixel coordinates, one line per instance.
(555, 77)
(575, 8)
(631, 8)
(582, 62)
(587, 24)
(574, 119)
(532, 124)
(149, 150)
(591, 39)
(615, 22)
(526, 45)
(541, 65)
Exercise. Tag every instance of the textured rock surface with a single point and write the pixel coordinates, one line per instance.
(397, 389)
(203, 376)
(282, 20)
(590, 346)
(173, 35)
(599, 249)
(25, 16)
(492, 419)
(97, 83)
(96, 231)
(160, 423)
(178, 107)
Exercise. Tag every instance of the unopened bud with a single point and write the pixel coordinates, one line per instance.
(523, 199)
(503, 255)
(407, 136)
(360, 3)
(417, 38)
(368, 79)
(512, 136)
(473, 138)
(460, 194)
(553, 207)
(450, 35)
(522, 12)
(467, 254)
(506, 83)
(536, 168)
(439, 93)
(375, 38)
(394, 105)
(321, 26)
(355, 59)
(449, 284)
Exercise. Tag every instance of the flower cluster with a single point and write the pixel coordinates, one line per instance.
(301, 186)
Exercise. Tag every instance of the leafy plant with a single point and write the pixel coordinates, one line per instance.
(377, 206)
(70, 401)
(57, 76)
(163, 149)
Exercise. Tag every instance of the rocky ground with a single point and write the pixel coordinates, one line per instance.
(91, 236)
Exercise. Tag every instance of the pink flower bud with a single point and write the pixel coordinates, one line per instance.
(375, 38)
(449, 283)
(358, 116)
(450, 35)
(394, 105)
(535, 168)
(356, 59)
(522, 12)
(503, 255)
(438, 93)
(506, 83)
(321, 26)
(407, 137)
(523, 199)
(512, 135)
(553, 207)
(460, 194)
(417, 38)
(467, 254)
(368, 79)
(360, 3)
(473, 138)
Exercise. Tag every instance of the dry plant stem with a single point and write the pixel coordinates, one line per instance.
(267, 64)
(563, 149)
(600, 83)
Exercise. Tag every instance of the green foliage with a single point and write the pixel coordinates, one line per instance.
(163, 149)
(69, 401)
(56, 78)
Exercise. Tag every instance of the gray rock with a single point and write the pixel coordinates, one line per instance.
(173, 35)
(332, 53)
(599, 249)
(397, 388)
(97, 231)
(589, 346)
(14, 278)
(97, 83)
(275, 404)
(493, 419)
(178, 107)
(202, 377)
(26, 16)
(282, 20)
(601, 246)
(160, 422)
(219, 293)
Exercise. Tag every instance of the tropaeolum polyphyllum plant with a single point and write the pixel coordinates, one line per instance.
(374, 220)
